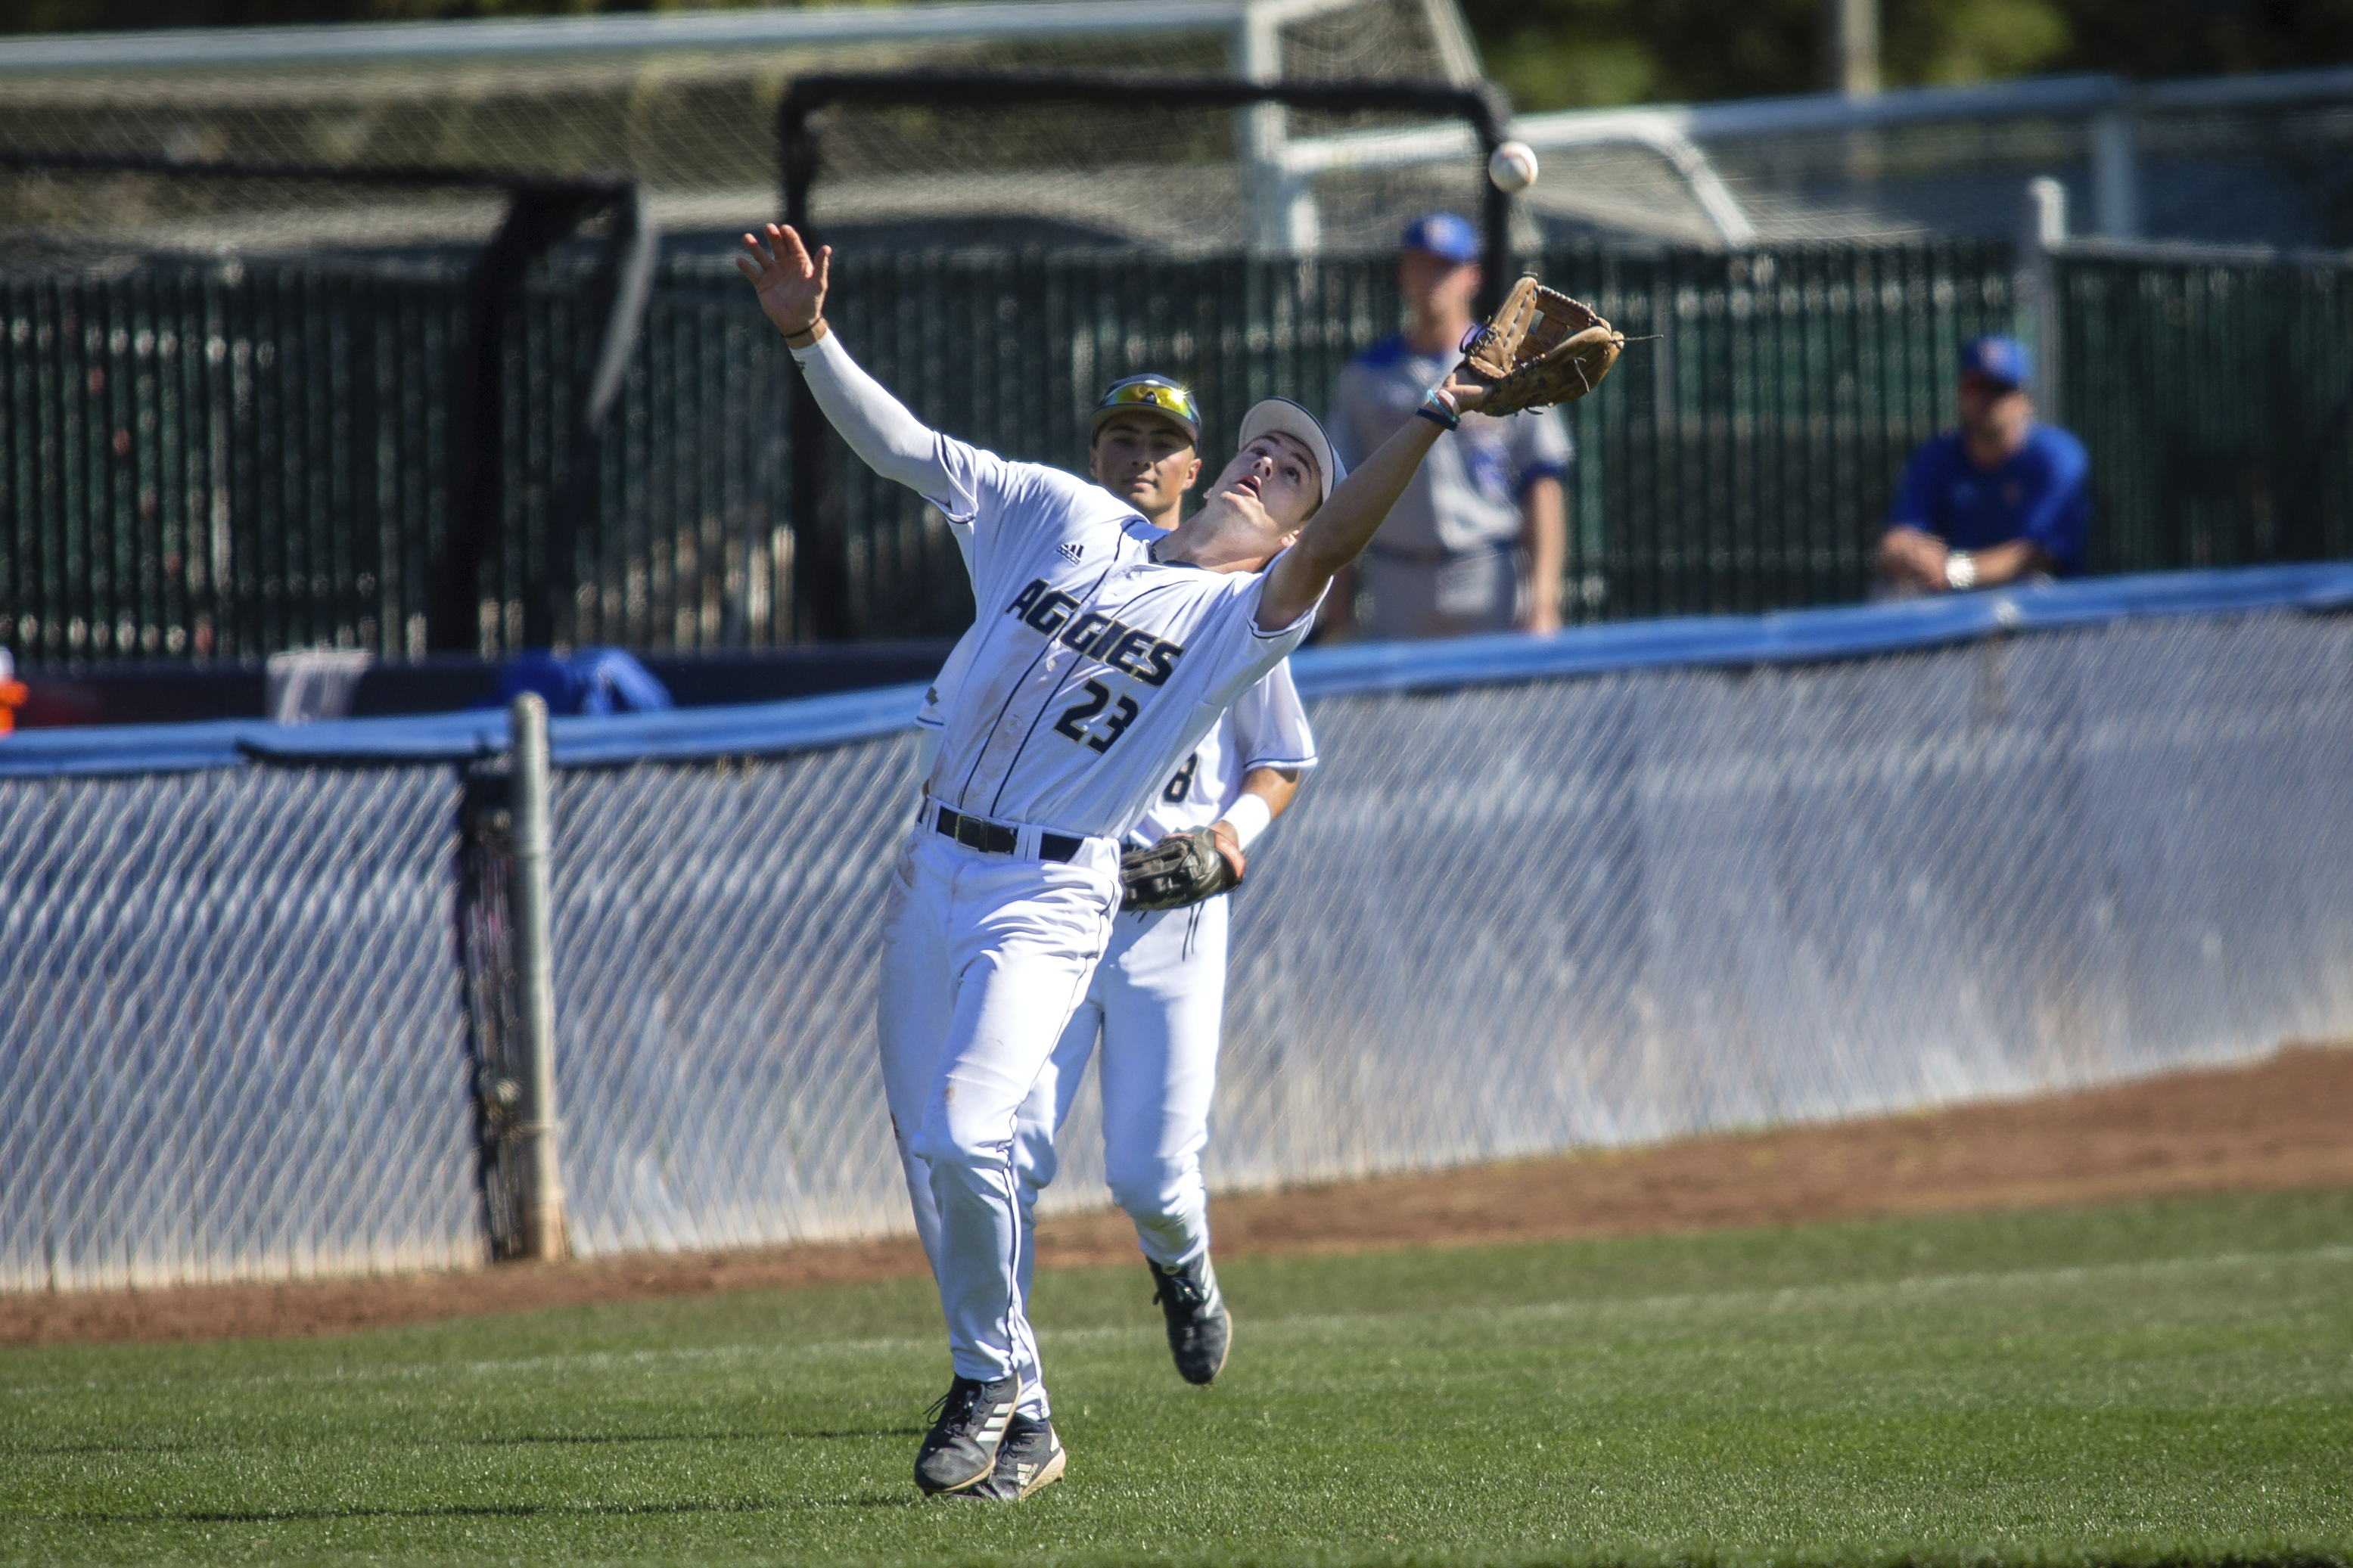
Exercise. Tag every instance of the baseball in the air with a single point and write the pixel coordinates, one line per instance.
(1512, 166)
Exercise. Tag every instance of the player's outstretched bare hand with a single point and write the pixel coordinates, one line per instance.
(1466, 386)
(790, 286)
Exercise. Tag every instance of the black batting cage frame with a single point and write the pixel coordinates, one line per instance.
(541, 212)
(822, 584)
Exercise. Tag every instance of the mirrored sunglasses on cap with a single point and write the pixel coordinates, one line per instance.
(1154, 391)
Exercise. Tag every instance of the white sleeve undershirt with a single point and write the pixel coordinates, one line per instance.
(878, 426)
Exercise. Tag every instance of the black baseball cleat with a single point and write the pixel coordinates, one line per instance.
(1030, 1458)
(967, 1428)
(1199, 1327)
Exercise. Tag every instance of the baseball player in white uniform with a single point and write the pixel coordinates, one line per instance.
(1157, 998)
(1108, 653)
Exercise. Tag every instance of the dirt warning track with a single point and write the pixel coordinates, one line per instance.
(2276, 1124)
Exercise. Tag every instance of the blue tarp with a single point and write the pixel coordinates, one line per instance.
(598, 681)
(1795, 636)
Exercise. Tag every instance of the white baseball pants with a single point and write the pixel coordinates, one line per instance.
(1158, 999)
(985, 958)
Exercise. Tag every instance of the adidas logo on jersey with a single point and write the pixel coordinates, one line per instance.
(1072, 550)
(1046, 608)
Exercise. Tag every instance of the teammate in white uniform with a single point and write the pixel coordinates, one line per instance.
(1109, 651)
(1157, 998)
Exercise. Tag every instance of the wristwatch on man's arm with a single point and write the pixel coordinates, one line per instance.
(1960, 571)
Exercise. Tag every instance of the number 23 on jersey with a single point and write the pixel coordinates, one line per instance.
(1076, 720)
(1126, 649)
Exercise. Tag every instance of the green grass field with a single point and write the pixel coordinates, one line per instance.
(2151, 1382)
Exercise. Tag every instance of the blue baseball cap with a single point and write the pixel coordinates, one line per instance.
(1998, 358)
(1444, 235)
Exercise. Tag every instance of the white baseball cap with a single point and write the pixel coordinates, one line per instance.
(1281, 416)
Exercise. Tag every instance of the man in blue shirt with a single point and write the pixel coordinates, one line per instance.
(2000, 499)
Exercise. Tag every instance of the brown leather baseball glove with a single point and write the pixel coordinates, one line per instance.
(1541, 348)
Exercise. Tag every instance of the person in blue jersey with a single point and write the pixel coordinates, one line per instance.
(2004, 499)
(1478, 541)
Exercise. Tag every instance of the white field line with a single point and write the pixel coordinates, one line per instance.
(1688, 1300)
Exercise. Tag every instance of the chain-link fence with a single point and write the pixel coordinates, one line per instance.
(2214, 391)
(199, 459)
(234, 1043)
(684, 103)
(1508, 919)
(230, 459)
(233, 455)
(213, 461)
(715, 932)
(1627, 883)
(2216, 172)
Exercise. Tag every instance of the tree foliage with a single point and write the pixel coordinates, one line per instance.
(1559, 54)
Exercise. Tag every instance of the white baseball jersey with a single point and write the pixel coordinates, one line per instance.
(932, 716)
(1156, 1001)
(1266, 728)
(1089, 674)
(1091, 671)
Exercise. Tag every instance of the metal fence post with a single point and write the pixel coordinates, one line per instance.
(1854, 34)
(544, 1232)
(2045, 228)
(2115, 174)
(1281, 211)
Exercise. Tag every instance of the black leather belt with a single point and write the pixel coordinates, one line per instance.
(996, 838)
